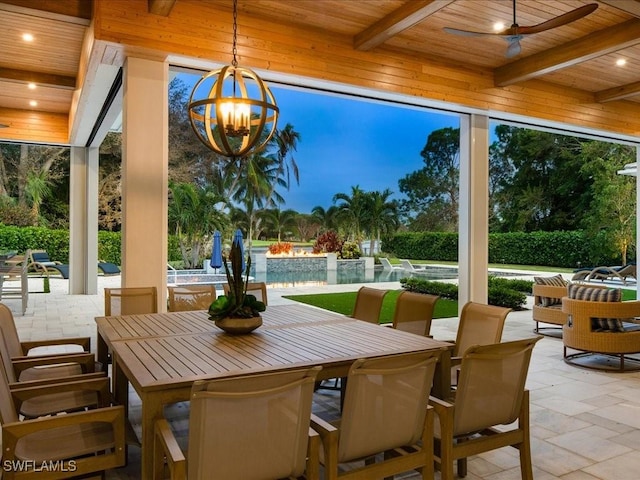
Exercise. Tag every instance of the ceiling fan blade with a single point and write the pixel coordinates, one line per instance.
(514, 47)
(559, 21)
(467, 33)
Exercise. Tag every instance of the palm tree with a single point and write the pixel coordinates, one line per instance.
(37, 188)
(256, 178)
(354, 208)
(280, 220)
(328, 219)
(381, 216)
(193, 216)
(287, 142)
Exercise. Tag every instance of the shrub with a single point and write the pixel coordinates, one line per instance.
(328, 242)
(350, 250)
(499, 293)
(523, 286)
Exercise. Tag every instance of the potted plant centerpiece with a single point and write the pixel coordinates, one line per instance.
(237, 312)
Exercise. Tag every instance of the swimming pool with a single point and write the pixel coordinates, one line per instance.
(311, 278)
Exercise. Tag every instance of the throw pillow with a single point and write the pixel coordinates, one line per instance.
(556, 281)
(592, 294)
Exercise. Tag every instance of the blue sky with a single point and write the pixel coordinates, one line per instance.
(347, 142)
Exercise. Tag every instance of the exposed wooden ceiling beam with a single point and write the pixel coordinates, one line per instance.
(69, 8)
(618, 93)
(397, 21)
(48, 79)
(582, 49)
(629, 6)
(161, 7)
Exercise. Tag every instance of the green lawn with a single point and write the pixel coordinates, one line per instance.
(344, 302)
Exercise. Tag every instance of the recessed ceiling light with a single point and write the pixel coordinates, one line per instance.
(27, 37)
(621, 62)
(498, 26)
(33, 103)
(31, 85)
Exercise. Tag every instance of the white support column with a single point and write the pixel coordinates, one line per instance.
(83, 221)
(473, 229)
(145, 175)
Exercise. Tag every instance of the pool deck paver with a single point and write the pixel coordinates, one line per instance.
(584, 423)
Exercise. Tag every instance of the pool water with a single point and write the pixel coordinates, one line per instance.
(312, 278)
(322, 277)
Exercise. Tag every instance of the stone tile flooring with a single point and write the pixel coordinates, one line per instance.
(585, 424)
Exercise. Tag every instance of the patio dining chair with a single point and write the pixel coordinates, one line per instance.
(385, 411)
(15, 269)
(130, 300)
(369, 304)
(190, 297)
(74, 353)
(84, 442)
(252, 428)
(479, 324)
(491, 396)
(413, 312)
(257, 289)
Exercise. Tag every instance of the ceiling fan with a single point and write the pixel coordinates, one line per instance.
(515, 32)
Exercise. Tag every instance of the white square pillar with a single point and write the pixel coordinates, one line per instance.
(473, 248)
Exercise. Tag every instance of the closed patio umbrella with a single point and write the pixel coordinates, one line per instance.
(237, 237)
(216, 251)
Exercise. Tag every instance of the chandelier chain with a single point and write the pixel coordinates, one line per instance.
(234, 62)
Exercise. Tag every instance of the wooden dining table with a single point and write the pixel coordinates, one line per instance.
(162, 354)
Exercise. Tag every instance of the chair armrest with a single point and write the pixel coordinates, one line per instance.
(86, 361)
(99, 385)
(84, 342)
(329, 436)
(49, 381)
(13, 432)
(166, 446)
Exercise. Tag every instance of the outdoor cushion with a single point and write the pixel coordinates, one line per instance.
(556, 281)
(591, 294)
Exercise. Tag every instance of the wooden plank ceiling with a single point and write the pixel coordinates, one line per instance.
(395, 45)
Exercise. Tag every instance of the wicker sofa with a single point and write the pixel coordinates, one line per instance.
(545, 313)
(601, 349)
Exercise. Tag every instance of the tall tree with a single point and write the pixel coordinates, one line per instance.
(280, 221)
(547, 190)
(327, 219)
(381, 216)
(612, 213)
(432, 192)
(353, 208)
(193, 217)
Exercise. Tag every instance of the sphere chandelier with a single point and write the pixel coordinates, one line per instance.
(231, 110)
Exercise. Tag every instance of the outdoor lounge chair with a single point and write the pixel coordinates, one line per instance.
(12, 271)
(410, 267)
(606, 273)
(108, 268)
(252, 427)
(40, 262)
(387, 266)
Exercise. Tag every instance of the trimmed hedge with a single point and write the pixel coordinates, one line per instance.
(56, 243)
(555, 249)
(504, 293)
